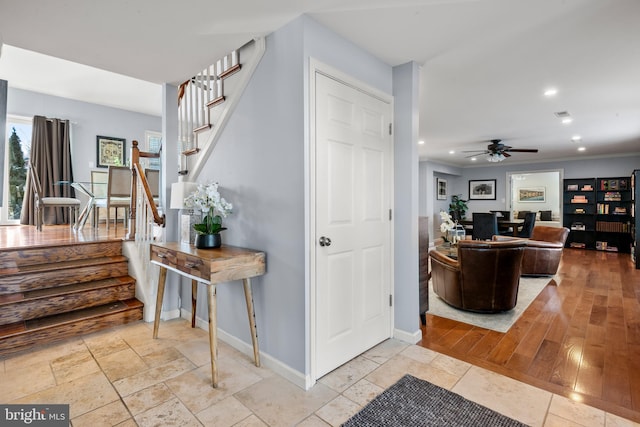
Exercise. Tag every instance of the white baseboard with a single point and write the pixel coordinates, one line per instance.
(266, 360)
(409, 337)
(171, 314)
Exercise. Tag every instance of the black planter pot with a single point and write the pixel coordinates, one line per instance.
(208, 241)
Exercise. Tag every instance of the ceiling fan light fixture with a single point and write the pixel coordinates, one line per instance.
(495, 157)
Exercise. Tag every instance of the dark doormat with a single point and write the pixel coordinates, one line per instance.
(415, 402)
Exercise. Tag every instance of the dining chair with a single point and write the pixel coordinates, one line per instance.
(118, 193)
(527, 226)
(99, 182)
(504, 216)
(485, 225)
(42, 202)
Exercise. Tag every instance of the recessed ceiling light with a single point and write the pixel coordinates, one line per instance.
(567, 120)
(576, 138)
(552, 91)
(473, 159)
(582, 148)
(421, 142)
(451, 152)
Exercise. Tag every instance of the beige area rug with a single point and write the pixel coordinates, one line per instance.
(529, 289)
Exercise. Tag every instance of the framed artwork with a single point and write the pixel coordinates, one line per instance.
(441, 188)
(531, 194)
(110, 151)
(482, 190)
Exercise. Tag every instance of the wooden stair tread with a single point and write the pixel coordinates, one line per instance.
(63, 318)
(23, 335)
(64, 290)
(26, 255)
(82, 314)
(37, 268)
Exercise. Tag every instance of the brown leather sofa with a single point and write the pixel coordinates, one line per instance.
(484, 278)
(544, 250)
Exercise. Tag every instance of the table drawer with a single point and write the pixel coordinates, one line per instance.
(179, 260)
(164, 256)
(193, 265)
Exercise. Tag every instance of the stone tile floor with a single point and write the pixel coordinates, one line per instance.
(122, 377)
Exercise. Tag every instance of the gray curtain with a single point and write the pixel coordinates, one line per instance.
(51, 156)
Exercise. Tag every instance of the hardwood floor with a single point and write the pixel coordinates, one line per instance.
(27, 235)
(580, 338)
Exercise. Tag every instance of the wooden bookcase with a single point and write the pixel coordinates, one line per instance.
(598, 211)
(578, 212)
(613, 214)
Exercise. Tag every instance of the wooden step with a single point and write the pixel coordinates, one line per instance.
(21, 256)
(49, 301)
(22, 335)
(40, 276)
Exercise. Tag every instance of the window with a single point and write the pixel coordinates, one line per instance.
(16, 161)
(153, 143)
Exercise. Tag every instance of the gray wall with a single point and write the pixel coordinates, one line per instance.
(87, 121)
(260, 162)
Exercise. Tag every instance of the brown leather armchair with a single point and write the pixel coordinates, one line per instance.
(543, 251)
(484, 278)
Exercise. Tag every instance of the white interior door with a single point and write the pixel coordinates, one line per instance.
(353, 224)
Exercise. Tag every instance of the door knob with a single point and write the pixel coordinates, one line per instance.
(324, 241)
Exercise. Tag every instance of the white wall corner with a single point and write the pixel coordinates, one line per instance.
(408, 337)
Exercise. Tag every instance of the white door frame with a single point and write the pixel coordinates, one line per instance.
(316, 66)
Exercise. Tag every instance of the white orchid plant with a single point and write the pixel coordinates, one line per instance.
(447, 225)
(207, 199)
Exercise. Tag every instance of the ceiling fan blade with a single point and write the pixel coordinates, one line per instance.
(506, 154)
(523, 150)
(476, 151)
(474, 155)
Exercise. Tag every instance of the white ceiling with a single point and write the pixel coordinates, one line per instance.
(485, 63)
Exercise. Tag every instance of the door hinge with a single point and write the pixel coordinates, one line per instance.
(390, 129)
(390, 214)
(390, 300)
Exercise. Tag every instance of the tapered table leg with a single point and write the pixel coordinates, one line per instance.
(213, 332)
(252, 319)
(194, 301)
(162, 277)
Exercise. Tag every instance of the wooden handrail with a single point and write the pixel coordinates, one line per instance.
(137, 171)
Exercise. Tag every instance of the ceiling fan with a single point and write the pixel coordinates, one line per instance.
(497, 151)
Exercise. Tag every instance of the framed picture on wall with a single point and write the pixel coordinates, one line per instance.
(441, 188)
(110, 151)
(482, 190)
(531, 194)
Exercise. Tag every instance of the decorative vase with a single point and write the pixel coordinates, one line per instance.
(208, 241)
(456, 234)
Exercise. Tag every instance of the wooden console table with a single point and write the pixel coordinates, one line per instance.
(209, 266)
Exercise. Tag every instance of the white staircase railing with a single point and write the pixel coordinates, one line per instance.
(205, 103)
